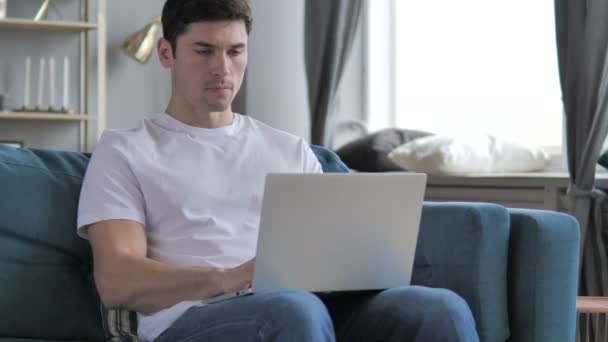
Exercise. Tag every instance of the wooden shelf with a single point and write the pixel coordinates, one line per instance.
(45, 116)
(47, 25)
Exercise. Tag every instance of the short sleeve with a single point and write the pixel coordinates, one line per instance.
(110, 190)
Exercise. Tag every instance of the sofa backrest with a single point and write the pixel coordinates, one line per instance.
(46, 284)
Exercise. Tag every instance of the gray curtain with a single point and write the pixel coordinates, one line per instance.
(330, 27)
(582, 39)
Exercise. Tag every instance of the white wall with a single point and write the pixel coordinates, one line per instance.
(276, 78)
(134, 90)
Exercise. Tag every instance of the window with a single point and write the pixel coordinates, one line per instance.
(478, 66)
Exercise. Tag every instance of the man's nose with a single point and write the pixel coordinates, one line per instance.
(220, 67)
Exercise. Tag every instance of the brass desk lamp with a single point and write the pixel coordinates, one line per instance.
(139, 45)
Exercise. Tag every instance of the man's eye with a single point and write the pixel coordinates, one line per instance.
(204, 52)
(236, 52)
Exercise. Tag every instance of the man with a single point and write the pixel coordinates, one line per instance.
(172, 210)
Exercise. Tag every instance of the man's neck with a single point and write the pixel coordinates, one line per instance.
(197, 117)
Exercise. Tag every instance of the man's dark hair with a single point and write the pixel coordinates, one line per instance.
(178, 14)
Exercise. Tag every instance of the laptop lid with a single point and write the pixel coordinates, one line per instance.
(338, 232)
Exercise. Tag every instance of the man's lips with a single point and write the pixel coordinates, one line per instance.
(219, 88)
(223, 91)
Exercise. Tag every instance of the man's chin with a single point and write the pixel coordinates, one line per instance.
(218, 107)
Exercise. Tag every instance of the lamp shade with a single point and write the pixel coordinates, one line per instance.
(43, 10)
(139, 45)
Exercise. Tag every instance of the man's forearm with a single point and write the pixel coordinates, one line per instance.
(127, 278)
(147, 286)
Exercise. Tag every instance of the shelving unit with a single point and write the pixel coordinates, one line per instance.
(84, 27)
(45, 116)
(47, 25)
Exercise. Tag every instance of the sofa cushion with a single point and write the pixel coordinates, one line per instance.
(47, 289)
(370, 152)
(467, 154)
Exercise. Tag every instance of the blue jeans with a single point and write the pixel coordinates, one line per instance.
(410, 313)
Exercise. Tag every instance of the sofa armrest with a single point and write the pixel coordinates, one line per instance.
(463, 247)
(543, 275)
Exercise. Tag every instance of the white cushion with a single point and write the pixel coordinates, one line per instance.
(476, 153)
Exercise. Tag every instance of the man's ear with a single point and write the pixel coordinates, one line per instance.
(165, 53)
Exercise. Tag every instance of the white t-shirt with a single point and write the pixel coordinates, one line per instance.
(198, 191)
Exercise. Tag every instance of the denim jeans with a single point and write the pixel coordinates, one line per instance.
(409, 313)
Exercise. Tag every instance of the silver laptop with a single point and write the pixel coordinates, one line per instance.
(337, 232)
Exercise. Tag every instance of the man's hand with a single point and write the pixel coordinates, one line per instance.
(238, 278)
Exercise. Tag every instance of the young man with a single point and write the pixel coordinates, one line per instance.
(172, 209)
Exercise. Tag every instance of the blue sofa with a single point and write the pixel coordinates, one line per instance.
(517, 269)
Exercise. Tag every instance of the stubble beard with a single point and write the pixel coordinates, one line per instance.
(216, 105)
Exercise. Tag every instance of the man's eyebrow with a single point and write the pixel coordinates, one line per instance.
(212, 46)
(203, 44)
